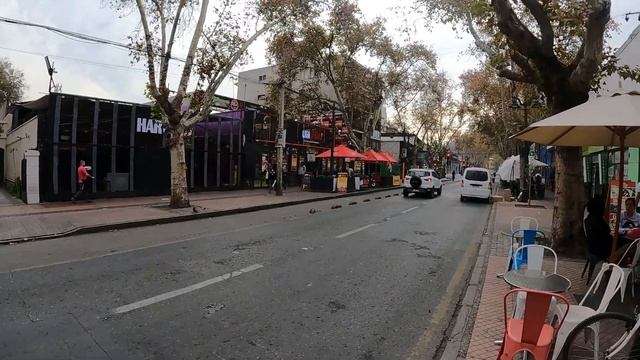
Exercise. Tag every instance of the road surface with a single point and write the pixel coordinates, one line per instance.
(372, 280)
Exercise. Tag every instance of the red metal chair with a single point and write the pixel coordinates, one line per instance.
(532, 333)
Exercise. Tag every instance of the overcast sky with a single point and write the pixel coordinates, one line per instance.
(105, 71)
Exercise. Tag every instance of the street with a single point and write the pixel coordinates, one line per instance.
(374, 280)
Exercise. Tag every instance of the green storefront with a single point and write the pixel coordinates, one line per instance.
(601, 164)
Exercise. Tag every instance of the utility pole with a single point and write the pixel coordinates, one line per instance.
(281, 140)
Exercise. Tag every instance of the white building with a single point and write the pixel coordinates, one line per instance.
(628, 54)
(253, 84)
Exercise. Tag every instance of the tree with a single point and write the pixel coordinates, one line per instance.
(438, 117)
(558, 46)
(213, 52)
(326, 48)
(11, 82)
(490, 105)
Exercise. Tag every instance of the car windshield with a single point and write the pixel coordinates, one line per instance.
(418, 173)
(476, 175)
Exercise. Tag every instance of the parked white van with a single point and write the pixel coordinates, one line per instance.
(476, 183)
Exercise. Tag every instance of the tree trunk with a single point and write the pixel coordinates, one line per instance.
(567, 232)
(179, 193)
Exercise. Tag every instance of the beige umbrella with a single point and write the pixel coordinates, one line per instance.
(605, 121)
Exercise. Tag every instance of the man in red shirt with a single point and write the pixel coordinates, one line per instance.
(83, 175)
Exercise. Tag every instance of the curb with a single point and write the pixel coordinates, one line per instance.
(180, 218)
(458, 342)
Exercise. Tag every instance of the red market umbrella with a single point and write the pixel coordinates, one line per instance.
(372, 156)
(341, 151)
(389, 157)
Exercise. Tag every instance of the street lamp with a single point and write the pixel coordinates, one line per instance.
(526, 105)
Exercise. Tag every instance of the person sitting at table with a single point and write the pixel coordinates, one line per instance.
(630, 217)
(598, 232)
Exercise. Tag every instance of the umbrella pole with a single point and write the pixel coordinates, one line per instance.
(616, 232)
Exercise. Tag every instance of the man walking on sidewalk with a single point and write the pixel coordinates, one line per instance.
(83, 175)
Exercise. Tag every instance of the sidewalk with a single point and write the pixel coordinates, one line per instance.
(481, 318)
(48, 220)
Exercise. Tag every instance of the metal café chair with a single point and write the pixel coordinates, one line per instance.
(518, 239)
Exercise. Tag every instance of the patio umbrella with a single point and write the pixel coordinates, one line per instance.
(510, 168)
(341, 151)
(605, 121)
(373, 156)
(389, 157)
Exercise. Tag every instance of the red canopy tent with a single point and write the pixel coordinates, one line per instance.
(389, 157)
(341, 151)
(372, 156)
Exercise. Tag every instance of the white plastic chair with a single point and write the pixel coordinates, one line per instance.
(524, 223)
(629, 269)
(578, 313)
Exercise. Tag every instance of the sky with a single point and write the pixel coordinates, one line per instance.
(107, 72)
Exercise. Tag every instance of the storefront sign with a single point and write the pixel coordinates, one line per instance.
(306, 134)
(342, 182)
(149, 126)
(629, 189)
(396, 180)
(311, 157)
(234, 105)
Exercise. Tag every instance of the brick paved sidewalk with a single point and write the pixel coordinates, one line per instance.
(488, 324)
(27, 222)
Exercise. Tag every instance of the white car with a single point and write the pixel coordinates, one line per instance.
(476, 183)
(422, 181)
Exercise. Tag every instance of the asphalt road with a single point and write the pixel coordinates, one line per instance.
(374, 280)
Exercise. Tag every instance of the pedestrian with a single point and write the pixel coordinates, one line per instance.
(453, 175)
(271, 178)
(83, 175)
(302, 169)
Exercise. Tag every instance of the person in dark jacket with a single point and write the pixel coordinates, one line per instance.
(598, 232)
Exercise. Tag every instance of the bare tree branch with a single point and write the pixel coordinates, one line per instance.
(482, 45)
(520, 38)
(164, 68)
(593, 44)
(215, 83)
(148, 39)
(546, 31)
(186, 70)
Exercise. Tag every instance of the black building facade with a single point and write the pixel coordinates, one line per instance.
(126, 148)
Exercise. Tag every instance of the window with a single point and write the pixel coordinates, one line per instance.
(262, 77)
(262, 97)
(418, 173)
(476, 175)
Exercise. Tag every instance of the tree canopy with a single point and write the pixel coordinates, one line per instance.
(11, 82)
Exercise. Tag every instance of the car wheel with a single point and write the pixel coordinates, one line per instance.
(430, 194)
(440, 191)
(461, 198)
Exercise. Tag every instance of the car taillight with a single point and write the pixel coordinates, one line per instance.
(406, 178)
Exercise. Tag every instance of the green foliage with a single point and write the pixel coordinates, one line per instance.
(11, 82)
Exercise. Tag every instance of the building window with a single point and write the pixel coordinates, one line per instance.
(262, 97)
(262, 77)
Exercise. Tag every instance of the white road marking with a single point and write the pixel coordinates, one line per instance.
(188, 289)
(354, 231)
(410, 209)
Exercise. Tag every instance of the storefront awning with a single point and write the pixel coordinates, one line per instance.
(341, 151)
(373, 156)
(389, 157)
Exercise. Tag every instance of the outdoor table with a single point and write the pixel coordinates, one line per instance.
(537, 280)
